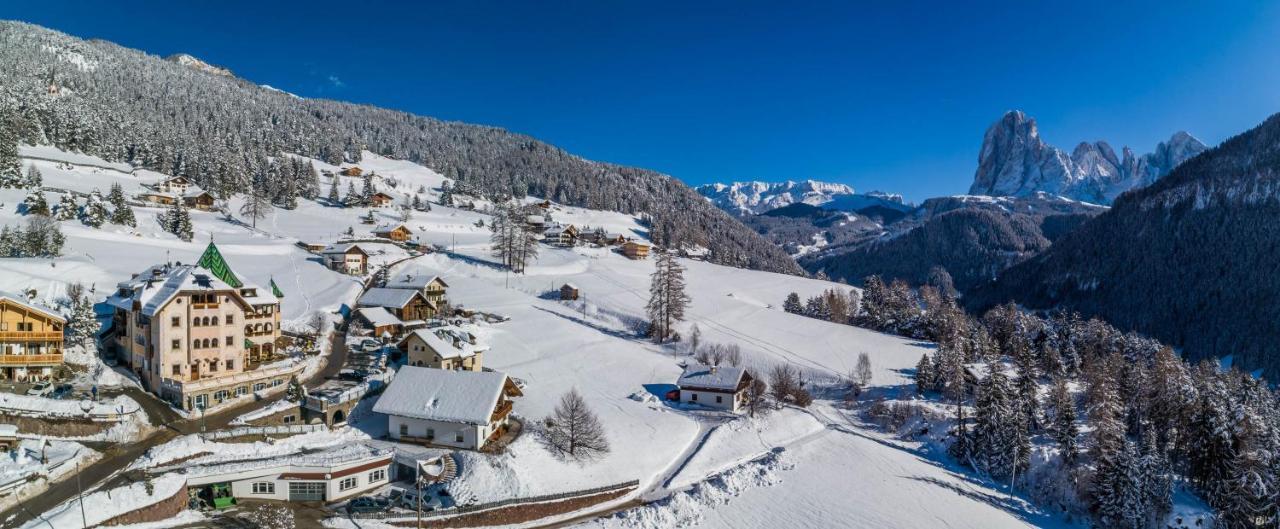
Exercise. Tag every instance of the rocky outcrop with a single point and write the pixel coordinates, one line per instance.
(1014, 161)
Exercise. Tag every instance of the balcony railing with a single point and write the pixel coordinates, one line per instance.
(27, 360)
(29, 336)
(500, 411)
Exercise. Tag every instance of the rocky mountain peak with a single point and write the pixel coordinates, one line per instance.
(1014, 161)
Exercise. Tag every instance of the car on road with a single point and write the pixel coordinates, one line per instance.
(41, 389)
(355, 375)
(62, 391)
(365, 504)
(430, 502)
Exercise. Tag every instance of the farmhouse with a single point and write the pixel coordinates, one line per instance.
(169, 191)
(444, 348)
(462, 409)
(328, 476)
(30, 339)
(431, 287)
(720, 387)
(403, 304)
(346, 258)
(395, 232)
(380, 320)
(635, 250)
(352, 171)
(569, 292)
(560, 235)
(195, 334)
(381, 200)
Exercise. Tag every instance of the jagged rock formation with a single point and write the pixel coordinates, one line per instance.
(1014, 161)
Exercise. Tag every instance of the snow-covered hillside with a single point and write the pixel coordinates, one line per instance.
(790, 468)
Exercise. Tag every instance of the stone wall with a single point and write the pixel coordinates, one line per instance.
(164, 510)
(59, 427)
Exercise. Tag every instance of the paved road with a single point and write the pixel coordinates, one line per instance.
(118, 457)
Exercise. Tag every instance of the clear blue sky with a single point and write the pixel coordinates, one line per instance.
(876, 96)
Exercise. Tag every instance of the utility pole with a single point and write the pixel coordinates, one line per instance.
(84, 520)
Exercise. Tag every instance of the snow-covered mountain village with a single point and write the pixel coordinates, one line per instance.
(226, 305)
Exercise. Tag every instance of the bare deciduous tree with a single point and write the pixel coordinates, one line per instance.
(783, 381)
(756, 392)
(574, 430)
(862, 373)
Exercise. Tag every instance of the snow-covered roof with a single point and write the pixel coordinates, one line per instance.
(535, 219)
(378, 316)
(21, 301)
(442, 395)
(414, 281)
(449, 342)
(342, 248)
(387, 297)
(157, 285)
(8, 430)
(256, 295)
(724, 378)
(388, 228)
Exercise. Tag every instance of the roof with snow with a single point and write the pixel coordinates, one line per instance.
(535, 219)
(157, 285)
(8, 430)
(388, 228)
(388, 297)
(724, 378)
(414, 281)
(21, 301)
(449, 342)
(378, 316)
(468, 397)
(342, 248)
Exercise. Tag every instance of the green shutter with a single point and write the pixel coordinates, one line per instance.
(212, 261)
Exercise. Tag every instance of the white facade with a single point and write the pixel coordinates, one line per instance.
(302, 480)
(714, 399)
(460, 435)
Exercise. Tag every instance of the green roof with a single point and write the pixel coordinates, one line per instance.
(212, 261)
(275, 290)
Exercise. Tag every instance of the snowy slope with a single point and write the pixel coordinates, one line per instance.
(593, 345)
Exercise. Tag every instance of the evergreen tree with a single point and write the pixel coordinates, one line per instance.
(82, 325)
(924, 375)
(1062, 413)
(367, 191)
(67, 208)
(352, 199)
(121, 212)
(35, 203)
(94, 214)
(667, 298)
(8, 242)
(792, 304)
(10, 163)
(334, 199)
(35, 180)
(446, 194)
(1117, 489)
(1001, 446)
(178, 221)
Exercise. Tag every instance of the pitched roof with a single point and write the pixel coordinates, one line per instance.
(442, 395)
(415, 281)
(212, 261)
(157, 285)
(724, 378)
(275, 289)
(378, 316)
(448, 342)
(388, 228)
(388, 297)
(342, 248)
(21, 301)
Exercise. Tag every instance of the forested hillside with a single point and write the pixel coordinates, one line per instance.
(124, 105)
(1191, 260)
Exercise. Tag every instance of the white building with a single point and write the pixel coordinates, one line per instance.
(462, 409)
(328, 476)
(719, 387)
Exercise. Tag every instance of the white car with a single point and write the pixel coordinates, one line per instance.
(430, 502)
(42, 389)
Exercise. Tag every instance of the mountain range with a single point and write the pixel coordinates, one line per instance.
(1014, 161)
(754, 198)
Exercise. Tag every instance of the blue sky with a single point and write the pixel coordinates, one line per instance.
(892, 97)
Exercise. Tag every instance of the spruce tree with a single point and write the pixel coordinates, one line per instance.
(1062, 413)
(10, 163)
(334, 198)
(34, 180)
(67, 208)
(792, 304)
(924, 375)
(94, 214)
(446, 194)
(35, 203)
(121, 212)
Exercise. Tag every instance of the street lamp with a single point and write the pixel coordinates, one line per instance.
(201, 408)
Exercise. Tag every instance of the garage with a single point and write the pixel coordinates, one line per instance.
(306, 490)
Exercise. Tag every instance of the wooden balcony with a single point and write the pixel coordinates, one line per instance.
(27, 336)
(31, 360)
(500, 411)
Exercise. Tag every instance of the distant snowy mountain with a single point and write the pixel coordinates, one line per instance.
(197, 64)
(753, 198)
(1014, 161)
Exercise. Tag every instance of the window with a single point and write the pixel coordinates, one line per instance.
(404, 429)
(431, 433)
(215, 320)
(231, 318)
(213, 366)
(176, 321)
(290, 418)
(4, 325)
(264, 487)
(719, 399)
(242, 390)
(457, 437)
(230, 340)
(177, 345)
(221, 395)
(177, 369)
(693, 397)
(200, 401)
(259, 386)
(377, 475)
(277, 382)
(347, 484)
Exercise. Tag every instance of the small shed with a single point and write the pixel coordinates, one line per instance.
(381, 200)
(352, 171)
(8, 437)
(569, 292)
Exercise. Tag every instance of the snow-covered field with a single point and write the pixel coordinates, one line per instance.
(788, 469)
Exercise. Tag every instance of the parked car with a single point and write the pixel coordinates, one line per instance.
(62, 391)
(41, 389)
(355, 375)
(409, 500)
(365, 504)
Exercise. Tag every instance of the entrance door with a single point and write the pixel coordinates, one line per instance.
(306, 491)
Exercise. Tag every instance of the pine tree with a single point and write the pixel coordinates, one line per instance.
(35, 180)
(1001, 446)
(667, 298)
(8, 242)
(792, 304)
(122, 214)
(178, 221)
(1062, 413)
(94, 214)
(352, 199)
(67, 208)
(446, 194)
(1117, 491)
(924, 375)
(334, 199)
(296, 392)
(10, 163)
(35, 203)
(82, 325)
(367, 191)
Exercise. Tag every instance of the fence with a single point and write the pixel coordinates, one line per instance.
(115, 416)
(467, 509)
(263, 430)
